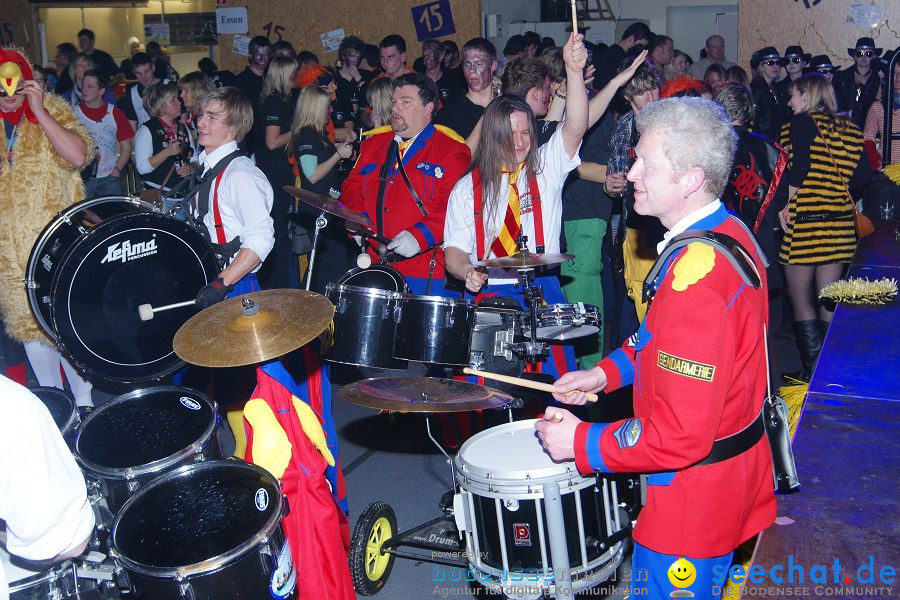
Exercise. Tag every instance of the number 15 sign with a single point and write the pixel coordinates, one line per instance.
(433, 20)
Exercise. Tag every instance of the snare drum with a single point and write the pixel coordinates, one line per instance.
(500, 510)
(366, 301)
(561, 322)
(137, 437)
(206, 532)
(433, 329)
(91, 268)
(62, 408)
(57, 583)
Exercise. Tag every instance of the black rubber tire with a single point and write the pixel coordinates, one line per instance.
(362, 582)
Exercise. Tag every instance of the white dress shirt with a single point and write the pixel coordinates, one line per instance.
(459, 227)
(43, 498)
(686, 221)
(245, 201)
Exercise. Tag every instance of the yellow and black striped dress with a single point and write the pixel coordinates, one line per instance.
(821, 214)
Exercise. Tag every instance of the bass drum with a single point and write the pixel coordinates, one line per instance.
(109, 271)
(56, 239)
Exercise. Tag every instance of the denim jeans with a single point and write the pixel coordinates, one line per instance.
(99, 187)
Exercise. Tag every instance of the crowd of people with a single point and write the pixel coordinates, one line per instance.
(464, 155)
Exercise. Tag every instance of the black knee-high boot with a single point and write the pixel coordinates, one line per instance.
(809, 336)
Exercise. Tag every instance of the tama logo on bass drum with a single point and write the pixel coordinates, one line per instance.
(125, 251)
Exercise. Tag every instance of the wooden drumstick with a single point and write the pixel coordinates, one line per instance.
(527, 383)
(146, 311)
(574, 19)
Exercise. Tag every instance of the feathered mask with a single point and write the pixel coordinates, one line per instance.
(14, 67)
(313, 74)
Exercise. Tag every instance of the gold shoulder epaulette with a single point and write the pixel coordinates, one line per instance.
(377, 130)
(450, 133)
(697, 262)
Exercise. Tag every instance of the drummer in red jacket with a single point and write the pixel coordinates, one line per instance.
(409, 211)
(697, 364)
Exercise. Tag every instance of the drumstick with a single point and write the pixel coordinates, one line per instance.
(574, 19)
(146, 311)
(527, 383)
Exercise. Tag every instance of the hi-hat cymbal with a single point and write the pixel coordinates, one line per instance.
(224, 336)
(524, 260)
(423, 394)
(328, 204)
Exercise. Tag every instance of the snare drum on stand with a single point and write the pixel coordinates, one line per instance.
(509, 491)
(563, 322)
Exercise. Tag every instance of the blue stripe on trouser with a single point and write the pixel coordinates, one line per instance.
(650, 574)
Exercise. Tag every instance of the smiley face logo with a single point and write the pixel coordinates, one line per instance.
(682, 573)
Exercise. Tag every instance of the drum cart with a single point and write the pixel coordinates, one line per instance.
(532, 530)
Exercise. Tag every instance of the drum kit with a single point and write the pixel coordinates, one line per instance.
(107, 281)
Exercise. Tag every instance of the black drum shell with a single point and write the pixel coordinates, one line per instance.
(58, 582)
(55, 241)
(61, 406)
(364, 326)
(524, 558)
(108, 272)
(130, 441)
(433, 329)
(163, 534)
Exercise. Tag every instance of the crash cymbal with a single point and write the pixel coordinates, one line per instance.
(328, 204)
(422, 394)
(229, 335)
(523, 260)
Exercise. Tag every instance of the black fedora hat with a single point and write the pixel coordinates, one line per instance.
(819, 63)
(795, 51)
(865, 43)
(767, 53)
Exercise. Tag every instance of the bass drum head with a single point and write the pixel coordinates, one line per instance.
(57, 238)
(380, 277)
(144, 431)
(214, 510)
(123, 263)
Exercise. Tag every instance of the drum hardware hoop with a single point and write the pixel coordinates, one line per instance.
(31, 284)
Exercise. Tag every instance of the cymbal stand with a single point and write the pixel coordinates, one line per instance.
(321, 223)
(533, 350)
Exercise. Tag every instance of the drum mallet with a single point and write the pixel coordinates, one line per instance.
(146, 310)
(527, 383)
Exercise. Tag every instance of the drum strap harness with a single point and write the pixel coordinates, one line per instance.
(478, 207)
(772, 420)
(224, 250)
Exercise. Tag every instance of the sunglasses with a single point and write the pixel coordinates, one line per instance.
(861, 53)
(795, 59)
(769, 62)
(825, 71)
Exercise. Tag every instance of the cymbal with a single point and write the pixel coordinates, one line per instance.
(422, 394)
(224, 336)
(328, 204)
(524, 260)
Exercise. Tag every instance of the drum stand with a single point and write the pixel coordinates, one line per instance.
(532, 350)
(321, 223)
(374, 544)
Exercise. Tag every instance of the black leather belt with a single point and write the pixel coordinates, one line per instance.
(738, 443)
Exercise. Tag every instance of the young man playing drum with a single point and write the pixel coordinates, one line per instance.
(234, 199)
(518, 189)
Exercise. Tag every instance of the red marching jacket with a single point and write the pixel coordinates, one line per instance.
(698, 369)
(433, 162)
